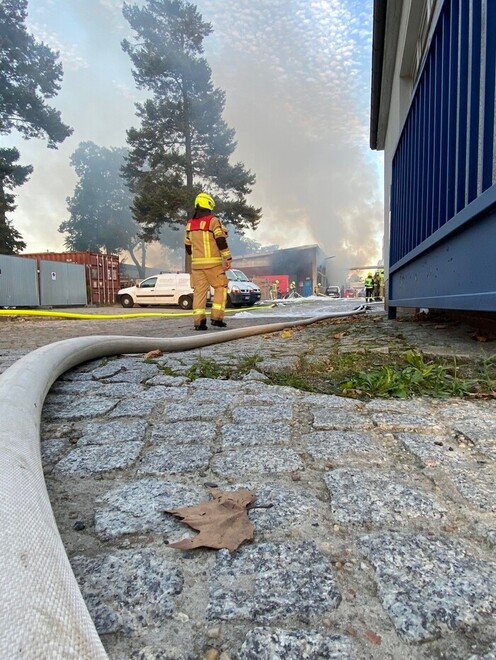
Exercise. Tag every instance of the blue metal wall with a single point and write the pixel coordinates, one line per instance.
(443, 192)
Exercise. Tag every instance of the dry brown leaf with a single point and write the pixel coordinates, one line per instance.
(153, 354)
(222, 523)
(374, 637)
(339, 335)
(479, 336)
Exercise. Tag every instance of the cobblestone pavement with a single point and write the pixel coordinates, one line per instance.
(380, 539)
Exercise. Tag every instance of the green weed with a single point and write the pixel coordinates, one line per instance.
(418, 377)
(206, 368)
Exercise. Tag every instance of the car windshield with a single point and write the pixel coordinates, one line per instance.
(239, 275)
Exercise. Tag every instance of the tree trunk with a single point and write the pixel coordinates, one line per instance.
(189, 163)
(140, 266)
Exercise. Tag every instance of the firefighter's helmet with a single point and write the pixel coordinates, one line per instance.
(205, 201)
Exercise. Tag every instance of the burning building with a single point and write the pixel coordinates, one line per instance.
(305, 265)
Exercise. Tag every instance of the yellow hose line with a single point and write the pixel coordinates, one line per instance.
(97, 317)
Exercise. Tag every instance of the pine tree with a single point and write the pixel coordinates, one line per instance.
(100, 208)
(182, 145)
(29, 74)
(11, 176)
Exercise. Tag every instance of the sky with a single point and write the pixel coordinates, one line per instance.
(296, 74)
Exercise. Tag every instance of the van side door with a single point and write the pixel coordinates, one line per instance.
(166, 289)
(145, 292)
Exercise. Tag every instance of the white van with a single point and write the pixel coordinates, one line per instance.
(163, 289)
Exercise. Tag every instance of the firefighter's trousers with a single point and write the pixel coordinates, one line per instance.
(201, 281)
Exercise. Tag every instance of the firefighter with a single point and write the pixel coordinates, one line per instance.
(206, 242)
(381, 284)
(274, 290)
(369, 287)
(377, 286)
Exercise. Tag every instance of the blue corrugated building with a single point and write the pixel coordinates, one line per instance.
(433, 113)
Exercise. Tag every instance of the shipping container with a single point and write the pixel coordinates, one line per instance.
(18, 282)
(61, 284)
(101, 272)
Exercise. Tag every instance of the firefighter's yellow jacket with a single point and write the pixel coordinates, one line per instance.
(206, 242)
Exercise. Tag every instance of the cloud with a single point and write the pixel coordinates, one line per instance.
(71, 59)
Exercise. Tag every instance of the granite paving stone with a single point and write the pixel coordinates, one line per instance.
(80, 407)
(128, 589)
(103, 432)
(262, 414)
(325, 401)
(173, 459)
(434, 449)
(140, 373)
(123, 390)
(289, 509)
(258, 460)
(112, 368)
(399, 422)
(93, 459)
(327, 445)
(332, 418)
(71, 387)
(53, 449)
(430, 585)
(478, 430)
(137, 507)
(476, 483)
(183, 432)
(286, 363)
(236, 435)
(135, 407)
(280, 644)
(273, 393)
(169, 381)
(187, 411)
(366, 497)
(272, 582)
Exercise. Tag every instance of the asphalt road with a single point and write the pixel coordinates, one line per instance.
(30, 332)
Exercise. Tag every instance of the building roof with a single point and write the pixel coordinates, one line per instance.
(268, 254)
(386, 27)
(379, 30)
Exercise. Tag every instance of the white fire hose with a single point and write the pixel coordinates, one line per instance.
(42, 612)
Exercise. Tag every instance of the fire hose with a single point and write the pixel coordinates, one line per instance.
(42, 611)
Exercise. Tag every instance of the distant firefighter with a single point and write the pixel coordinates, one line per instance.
(274, 290)
(377, 286)
(369, 287)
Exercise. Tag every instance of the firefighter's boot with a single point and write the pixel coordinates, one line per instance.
(202, 325)
(218, 324)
